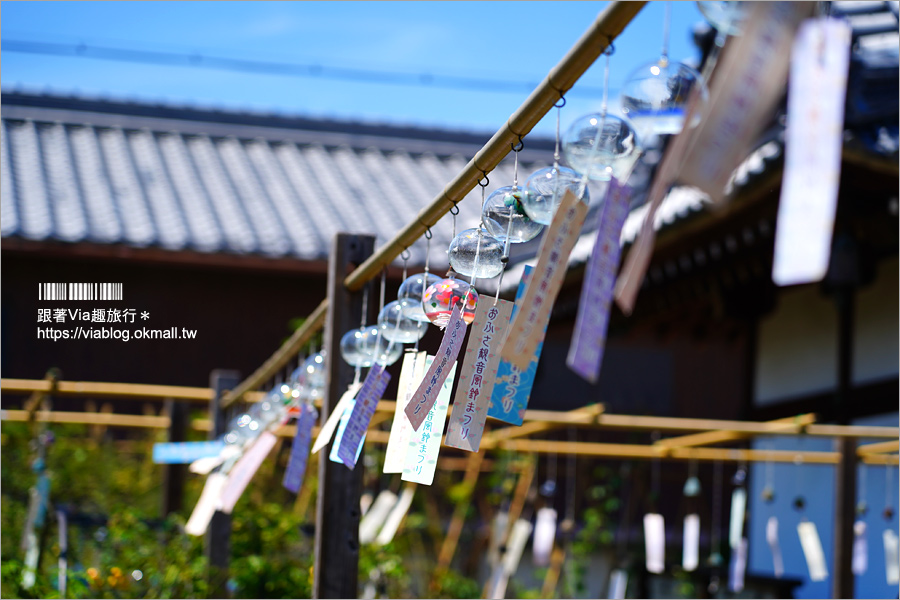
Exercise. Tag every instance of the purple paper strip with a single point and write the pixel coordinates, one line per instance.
(586, 350)
(296, 468)
(426, 394)
(366, 401)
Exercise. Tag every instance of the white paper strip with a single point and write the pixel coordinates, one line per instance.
(244, 470)
(202, 466)
(544, 536)
(812, 550)
(891, 557)
(206, 505)
(425, 444)
(498, 530)
(411, 374)
(774, 546)
(375, 516)
(517, 539)
(690, 557)
(392, 523)
(860, 560)
(618, 584)
(738, 567)
(813, 142)
(510, 561)
(334, 418)
(738, 508)
(655, 542)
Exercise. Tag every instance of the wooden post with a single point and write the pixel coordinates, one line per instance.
(337, 505)
(174, 475)
(218, 535)
(844, 517)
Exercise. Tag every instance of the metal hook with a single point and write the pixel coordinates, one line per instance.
(486, 180)
(428, 233)
(561, 99)
(611, 49)
(454, 210)
(405, 254)
(517, 147)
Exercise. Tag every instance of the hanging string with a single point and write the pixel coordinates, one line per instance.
(770, 469)
(585, 177)
(453, 212)
(516, 169)
(571, 487)
(556, 149)
(667, 21)
(357, 373)
(428, 237)
(654, 477)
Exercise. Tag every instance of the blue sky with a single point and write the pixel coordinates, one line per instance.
(518, 41)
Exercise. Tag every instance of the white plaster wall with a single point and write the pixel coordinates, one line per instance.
(797, 344)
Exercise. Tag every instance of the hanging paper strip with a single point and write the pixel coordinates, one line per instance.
(544, 536)
(202, 466)
(392, 523)
(750, 81)
(618, 583)
(498, 530)
(859, 563)
(655, 542)
(891, 556)
(206, 505)
(814, 139)
(427, 393)
(411, 374)
(371, 523)
(589, 339)
(334, 418)
(736, 525)
(738, 567)
(185, 452)
(774, 546)
(512, 387)
(517, 539)
(296, 468)
(425, 444)
(244, 469)
(812, 550)
(527, 331)
(478, 374)
(354, 432)
(690, 557)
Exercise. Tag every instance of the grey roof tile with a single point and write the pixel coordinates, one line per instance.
(170, 224)
(236, 229)
(36, 220)
(62, 183)
(205, 233)
(186, 180)
(9, 214)
(102, 213)
(136, 216)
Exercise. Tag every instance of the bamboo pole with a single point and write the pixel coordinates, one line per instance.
(451, 540)
(878, 448)
(101, 389)
(707, 438)
(600, 35)
(582, 416)
(286, 352)
(608, 25)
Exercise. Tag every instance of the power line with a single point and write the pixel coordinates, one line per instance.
(199, 60)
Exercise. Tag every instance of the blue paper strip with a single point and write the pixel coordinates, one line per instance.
(296, 468)
(513, 387)
(185, 452)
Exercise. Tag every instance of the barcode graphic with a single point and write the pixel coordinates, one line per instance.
(79, 291)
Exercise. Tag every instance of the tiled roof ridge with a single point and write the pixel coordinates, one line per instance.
(130, 109)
